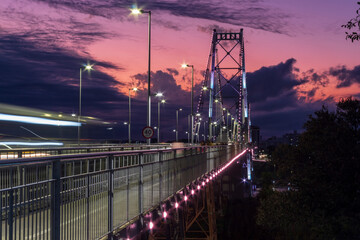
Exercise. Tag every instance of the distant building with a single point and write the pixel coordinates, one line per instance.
(255, 137)
(288, 138)
(291, 138)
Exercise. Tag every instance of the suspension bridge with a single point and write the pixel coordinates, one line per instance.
(136, 192)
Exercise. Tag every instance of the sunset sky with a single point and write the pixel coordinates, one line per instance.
(297, 57)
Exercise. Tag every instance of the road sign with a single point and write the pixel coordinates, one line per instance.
(148, 132)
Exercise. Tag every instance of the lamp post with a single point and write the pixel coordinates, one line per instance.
(86, 68)
(174, 132)
(137, 11)
(158, 131)
(192, 99)
(188, 136)
(177, 123)
(133, 89)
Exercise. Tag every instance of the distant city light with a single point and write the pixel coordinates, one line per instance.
(37, 120)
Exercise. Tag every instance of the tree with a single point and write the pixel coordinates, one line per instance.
(353, 24)
(324, 172)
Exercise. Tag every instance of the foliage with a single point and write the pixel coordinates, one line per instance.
(353, 23)
(324, 172)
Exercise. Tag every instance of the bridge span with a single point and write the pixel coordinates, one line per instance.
(105, 195)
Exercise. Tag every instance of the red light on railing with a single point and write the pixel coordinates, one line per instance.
(177, 205)
(151, 225)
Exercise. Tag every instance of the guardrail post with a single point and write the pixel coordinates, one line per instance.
(141, 182)
(127, 193)
(160, 174)
(110, 195)
(11, 205)
(55, 203)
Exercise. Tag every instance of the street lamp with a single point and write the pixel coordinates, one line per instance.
(136, 11)
(177, 123)
(174, 132)
(192, 99)
(131, 89)
(188, 136)
(158, 131)
(87, 67)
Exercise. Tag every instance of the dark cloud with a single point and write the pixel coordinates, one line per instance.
(164, 82)
(320, 79)
(312, 92)
(284, 101)
(173, 71)
(250, 13)
(346, 77)
(52, 32)
(49, 79)
(272, 81)
(277, 123)
(210, 28)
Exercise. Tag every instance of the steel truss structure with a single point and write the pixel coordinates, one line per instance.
(224, 91)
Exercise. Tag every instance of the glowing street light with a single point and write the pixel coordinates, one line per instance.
(137, 11)
(88, 68)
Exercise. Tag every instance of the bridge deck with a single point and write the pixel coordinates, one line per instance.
(86, 196)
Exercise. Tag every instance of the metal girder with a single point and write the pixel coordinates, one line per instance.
(224, 87)
(196, 219)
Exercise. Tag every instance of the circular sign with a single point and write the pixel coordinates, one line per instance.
(148, 132)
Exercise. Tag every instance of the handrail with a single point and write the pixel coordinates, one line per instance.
(18, 161)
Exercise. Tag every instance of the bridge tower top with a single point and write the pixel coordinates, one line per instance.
(224, 90)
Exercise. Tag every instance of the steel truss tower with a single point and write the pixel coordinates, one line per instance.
(224, 91)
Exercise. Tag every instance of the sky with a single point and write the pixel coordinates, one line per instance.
(297, 57)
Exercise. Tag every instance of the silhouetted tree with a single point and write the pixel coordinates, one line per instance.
(353, 23)
(324, 174)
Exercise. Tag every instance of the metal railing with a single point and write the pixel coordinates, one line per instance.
(86, 196)
(44, 152)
